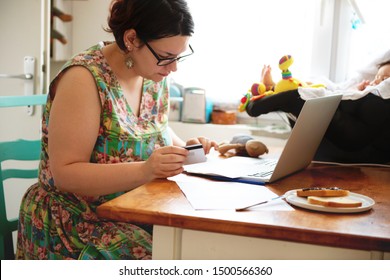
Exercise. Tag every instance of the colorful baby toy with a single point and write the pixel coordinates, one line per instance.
(259, 90)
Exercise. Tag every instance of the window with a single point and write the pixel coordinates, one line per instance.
(371, 37)
(234, 39)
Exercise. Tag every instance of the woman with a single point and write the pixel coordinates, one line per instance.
(105, 132)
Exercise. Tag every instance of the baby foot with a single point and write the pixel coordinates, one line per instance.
(266, 77)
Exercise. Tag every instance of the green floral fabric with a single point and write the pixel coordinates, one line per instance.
(59, 225)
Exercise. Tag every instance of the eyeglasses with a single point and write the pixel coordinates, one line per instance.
(167, 61)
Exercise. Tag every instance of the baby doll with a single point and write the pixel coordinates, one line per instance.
(243, 145)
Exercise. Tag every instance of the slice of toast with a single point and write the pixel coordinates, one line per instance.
(322, 191)
(343, 201)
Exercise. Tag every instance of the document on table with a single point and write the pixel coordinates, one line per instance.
(205, 194)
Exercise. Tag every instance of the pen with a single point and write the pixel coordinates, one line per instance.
(259, 203)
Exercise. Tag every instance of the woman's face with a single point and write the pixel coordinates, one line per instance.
(146, 57)
(383, 74)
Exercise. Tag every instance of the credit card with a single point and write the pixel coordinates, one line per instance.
(196, 154)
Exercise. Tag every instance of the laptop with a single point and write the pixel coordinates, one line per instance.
(297, 154)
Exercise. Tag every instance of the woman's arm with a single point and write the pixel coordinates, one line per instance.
(176, 140)
(206, 143)
(73, 130)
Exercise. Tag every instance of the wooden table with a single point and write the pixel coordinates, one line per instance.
(180, 232)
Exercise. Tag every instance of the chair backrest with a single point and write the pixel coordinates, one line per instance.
(17, 151)
(22, 100)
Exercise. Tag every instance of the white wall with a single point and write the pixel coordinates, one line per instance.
(89, 20)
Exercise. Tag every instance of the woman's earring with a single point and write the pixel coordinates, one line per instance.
(129, 62)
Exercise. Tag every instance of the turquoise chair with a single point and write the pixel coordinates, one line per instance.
(19, 150)
(22, 100)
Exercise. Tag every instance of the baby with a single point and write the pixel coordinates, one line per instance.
(382, 74)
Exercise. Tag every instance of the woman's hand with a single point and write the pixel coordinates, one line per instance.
(165, 162)
(206, 143)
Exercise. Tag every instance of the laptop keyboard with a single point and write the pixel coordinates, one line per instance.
(265, 168)
(262, 174)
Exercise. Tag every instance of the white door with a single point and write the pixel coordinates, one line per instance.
(22, 36)
(22, 41)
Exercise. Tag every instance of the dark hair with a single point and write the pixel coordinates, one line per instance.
(151, 19)
(380, 65)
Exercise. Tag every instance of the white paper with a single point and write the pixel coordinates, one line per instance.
(204, 194)
(233, 167)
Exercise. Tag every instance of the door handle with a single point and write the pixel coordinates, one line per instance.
(21, 76)
(28, 77)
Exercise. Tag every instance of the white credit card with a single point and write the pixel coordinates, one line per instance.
(196, 154)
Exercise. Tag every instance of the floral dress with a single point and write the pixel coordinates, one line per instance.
(60, 225)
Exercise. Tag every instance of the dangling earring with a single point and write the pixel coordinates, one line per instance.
(129, 62)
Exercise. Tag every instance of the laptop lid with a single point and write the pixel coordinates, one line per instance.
(306, 136)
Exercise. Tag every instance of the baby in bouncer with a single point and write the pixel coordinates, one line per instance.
(382, 74)
(359, 131)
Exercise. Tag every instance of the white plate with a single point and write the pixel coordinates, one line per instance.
(367, 203)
